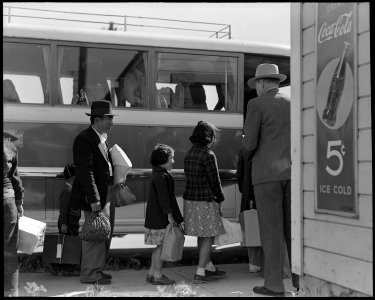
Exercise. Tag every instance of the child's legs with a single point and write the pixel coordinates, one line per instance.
(204, 249)
(156, 262)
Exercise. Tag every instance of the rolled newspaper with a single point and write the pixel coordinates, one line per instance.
(122, 164)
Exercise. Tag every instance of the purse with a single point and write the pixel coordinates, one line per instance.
(173, 244)
(123, 195)
(96, 228)
(232, 233)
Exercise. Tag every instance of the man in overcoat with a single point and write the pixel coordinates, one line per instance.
(267, 140)
(93, 185)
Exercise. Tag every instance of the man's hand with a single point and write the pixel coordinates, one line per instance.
(20, 210)
(64, 228)
(96, 206)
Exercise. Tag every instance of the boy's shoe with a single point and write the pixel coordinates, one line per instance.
(164, 280)
(217, 272)
(264, 291)
(102, 281)
(105, 275)
(203, 279)
(150, 278)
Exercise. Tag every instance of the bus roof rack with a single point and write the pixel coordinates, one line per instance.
(115, 22)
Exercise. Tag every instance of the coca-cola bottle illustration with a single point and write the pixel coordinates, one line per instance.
(335, 89)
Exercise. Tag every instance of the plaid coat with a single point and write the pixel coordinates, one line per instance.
(202, 175)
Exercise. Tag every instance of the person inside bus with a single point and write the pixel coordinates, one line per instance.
(9, 92)
(93, 185)
(162, 209)
(267, 141)
(68, 221)
(13, 193)
(202, 196)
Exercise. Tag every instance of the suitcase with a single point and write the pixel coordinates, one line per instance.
(31, 234)
(250, 228)
(62, 249)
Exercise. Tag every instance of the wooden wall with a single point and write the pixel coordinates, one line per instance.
(332, 248)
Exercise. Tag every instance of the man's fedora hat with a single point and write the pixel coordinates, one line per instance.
(266, 71)
(101, 108)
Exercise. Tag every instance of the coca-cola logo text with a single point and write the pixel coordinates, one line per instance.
(342, 26)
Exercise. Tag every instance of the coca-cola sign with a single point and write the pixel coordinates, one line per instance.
(335, 106)
(342, 26)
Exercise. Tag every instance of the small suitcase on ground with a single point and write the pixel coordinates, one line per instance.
(31, 234)
(62, 249)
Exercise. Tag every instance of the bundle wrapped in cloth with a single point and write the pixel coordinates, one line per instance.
(122, 164)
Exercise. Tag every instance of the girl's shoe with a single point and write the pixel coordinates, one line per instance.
(253, 269)
(164, 280)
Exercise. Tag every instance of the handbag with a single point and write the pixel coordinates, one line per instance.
(173, 243)
(62, 249)
(232, 233)
(250, 228)
(96, 228)
(123, 195)
(31, 234)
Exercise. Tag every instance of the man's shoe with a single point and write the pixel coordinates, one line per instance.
(203, 279)
(150, 278)
(105, 275)
(264, 291)
(217, 272)
(102, 281)
(164, 280)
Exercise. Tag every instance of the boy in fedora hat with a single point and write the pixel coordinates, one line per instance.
(93, 185)
(267, 142)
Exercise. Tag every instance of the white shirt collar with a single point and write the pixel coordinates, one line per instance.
(103, 137)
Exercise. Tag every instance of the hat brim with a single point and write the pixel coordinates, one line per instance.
(251, 81)
(91, 115)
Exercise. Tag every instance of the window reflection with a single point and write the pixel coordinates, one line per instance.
(90, 74)
(196, 82)
(26, 73)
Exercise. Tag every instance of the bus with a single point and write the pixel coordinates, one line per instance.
(160, 86)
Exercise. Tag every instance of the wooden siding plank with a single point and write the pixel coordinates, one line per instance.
(364, 145)
(364, 78)
(309, 94)
(308, 14)
(364, 48)
(348, 272)
(365, 178)
(308, 147)
(308, 69)
(363, 17)
(308, 177)
(334, 237)
(308, 40)
(365, 211)
(364, 113)
(308, 117)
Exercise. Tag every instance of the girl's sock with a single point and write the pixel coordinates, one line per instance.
(201, 271)
(157, 274)
(210, 266)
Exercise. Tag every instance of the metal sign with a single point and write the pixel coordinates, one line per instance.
(336, 191)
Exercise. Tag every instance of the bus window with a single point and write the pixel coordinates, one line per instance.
(199, 82)
(26, 73)
(94, 74)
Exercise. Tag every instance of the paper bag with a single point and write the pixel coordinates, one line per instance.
(232, 234)
(250, 228)
(62, 249)
(173, 244)
(31, 234)
(122, 164)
